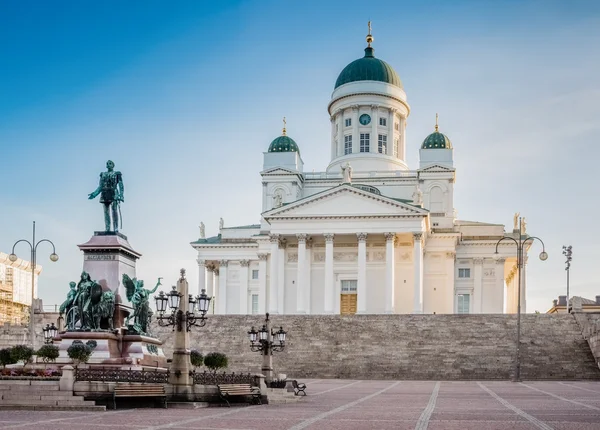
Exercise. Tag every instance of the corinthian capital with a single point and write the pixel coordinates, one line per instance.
(301, 237)
(328, 237)
(417, 236)
(362, 237)
(389, 236)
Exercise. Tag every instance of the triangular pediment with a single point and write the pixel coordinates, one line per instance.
(345, 201)
(279, 171)
(437, 168)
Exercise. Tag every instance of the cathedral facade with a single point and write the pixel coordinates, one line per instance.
(366, 235)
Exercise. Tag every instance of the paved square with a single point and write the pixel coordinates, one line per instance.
(349, 405)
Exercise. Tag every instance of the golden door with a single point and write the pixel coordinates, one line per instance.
(347, 304)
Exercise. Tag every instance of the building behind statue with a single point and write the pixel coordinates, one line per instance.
(15, 289)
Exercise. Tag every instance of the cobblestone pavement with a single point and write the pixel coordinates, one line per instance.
(348, 405)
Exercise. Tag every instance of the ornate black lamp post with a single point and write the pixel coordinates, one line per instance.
(178, 317)
(50, 332)
(13, 257)
(521, 242)
(266, 341)
(183, 316)
(568, 252)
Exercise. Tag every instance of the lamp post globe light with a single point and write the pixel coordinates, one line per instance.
(521, 242)
(13, 257)
(266, 341)
(50, 332)
(568, 253)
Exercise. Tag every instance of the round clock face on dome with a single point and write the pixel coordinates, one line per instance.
(364, 119)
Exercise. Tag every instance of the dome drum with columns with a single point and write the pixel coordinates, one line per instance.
(367, 234)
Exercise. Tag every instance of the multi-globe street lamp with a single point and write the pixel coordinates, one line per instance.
(50, 332)
(13, 257)
(178, 317)
(266, 340)
(521, 243)
(568, 253)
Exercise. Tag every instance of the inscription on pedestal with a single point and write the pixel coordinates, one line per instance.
(100, 257)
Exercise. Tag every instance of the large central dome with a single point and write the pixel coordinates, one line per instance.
(368, 68)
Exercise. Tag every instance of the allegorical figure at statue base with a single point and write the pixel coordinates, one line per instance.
(111, 192)
(87, 307)
(140, 300)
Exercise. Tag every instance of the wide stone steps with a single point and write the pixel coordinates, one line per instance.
(442, 347)
(41, 395)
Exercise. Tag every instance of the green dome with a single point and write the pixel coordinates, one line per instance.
(436, 140)
(368, 68)
(284, 144)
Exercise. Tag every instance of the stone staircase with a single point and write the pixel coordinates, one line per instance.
(422, 347)
(41, 395)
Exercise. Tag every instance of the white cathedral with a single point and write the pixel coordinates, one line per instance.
(368, 235)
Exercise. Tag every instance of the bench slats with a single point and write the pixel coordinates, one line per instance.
(139, 390)
(231, 390)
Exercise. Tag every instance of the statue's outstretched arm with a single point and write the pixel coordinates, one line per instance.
(158, 284)
(93, 194)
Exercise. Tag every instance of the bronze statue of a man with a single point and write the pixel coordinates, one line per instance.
(111, 192)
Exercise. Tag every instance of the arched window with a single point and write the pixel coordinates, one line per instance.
(436, 200)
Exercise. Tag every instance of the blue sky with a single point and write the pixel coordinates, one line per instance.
(185, 97)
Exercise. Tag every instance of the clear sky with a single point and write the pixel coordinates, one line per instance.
(185, 96)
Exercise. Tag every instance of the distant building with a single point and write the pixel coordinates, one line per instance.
(15, 289)
(559, 306)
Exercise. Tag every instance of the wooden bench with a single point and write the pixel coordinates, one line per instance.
(299, 387)
(226, 391)
(139, 390)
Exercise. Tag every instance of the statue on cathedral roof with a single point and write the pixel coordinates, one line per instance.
(347, 173)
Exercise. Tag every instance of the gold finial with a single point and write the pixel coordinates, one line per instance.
(370, 38)
(436, 122)
(284, 123)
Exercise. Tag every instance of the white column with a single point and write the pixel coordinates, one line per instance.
(390, 298)
(201, 275)
(340, 133)
(262, 283)
(265, 205)
(391, 132)
(418, 265)
(281, 277)
(374, 144)
(355, 136)
(222, 297)
(273, 274)
(243, 293)
(328, 298)
(215, 291)
(477, 285)
(450, 277)
(307, 276)
(210, 281)
(361, 306)
(333, 137)
(300, 282)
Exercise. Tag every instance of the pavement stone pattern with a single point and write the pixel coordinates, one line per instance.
(401, 347)
(366, 404)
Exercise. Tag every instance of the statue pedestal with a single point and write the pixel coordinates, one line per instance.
(130, 351)
(106, 257)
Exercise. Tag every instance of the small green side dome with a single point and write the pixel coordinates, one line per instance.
(436, 140)
(284, 144)
(368, 68)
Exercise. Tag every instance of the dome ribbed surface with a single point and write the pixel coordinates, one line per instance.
(436, 140)
(368, 68)
(284, 144)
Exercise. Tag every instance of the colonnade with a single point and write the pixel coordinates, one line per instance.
(213, 276)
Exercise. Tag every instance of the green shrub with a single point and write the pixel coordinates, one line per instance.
(215, 361)
(48, 353)
(21, 353)
(196, 358)
(6, 357)
(80, 352)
